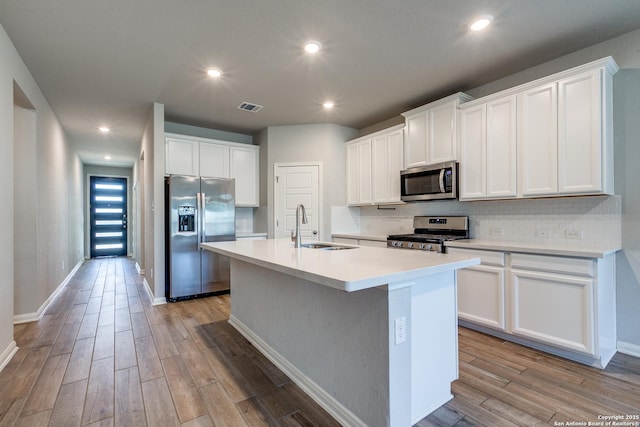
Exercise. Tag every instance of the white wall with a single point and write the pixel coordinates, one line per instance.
(626, 93)
(307, 143)
(25, 210)
(56, 196)
(9, 61)
(151, 241)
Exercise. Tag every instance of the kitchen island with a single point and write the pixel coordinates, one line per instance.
(369, 333)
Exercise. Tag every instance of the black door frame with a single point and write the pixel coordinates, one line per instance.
(90, 215)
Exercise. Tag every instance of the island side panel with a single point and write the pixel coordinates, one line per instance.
(434, 339)
(339, 340)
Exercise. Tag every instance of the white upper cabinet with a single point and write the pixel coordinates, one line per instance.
(430, 132)
(488, 150)
(501, 148)
(473, 146)
(551, 137)
(373, 168)
(181, 156)
(186, 155)
(585, 135)
(415, 147)
(565, 140)
(387, 162)
(353, 174)
(538, 141)
(213, 160)
(359, 172)
(244, 167)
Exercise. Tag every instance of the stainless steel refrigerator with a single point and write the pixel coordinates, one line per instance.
(197, 210)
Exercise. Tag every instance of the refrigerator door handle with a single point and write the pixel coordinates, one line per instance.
(200, 227)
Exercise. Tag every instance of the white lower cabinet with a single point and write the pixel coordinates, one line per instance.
(562, 305)
(481, 296)
(553, 309)
(481, 290)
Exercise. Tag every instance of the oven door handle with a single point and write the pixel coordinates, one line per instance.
(442, 180)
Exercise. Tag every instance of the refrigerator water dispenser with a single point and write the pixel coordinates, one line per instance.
(186, 219)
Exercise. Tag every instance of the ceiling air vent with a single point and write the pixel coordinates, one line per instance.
(252, 108)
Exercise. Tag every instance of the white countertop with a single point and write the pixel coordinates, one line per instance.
(378, 238)
(534, 248)
(349, 270)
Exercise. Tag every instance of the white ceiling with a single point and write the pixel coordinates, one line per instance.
(106, 62)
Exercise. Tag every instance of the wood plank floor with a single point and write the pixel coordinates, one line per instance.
(103, 356)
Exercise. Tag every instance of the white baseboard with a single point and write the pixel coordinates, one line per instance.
(34, 317)
(628, 348)
(152, 297)
(343, 415)
(139, 269)
(7, 354)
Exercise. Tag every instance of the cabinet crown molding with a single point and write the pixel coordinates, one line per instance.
(607, 63)
(378, 133)
(461, 97)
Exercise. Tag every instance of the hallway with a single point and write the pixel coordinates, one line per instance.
(102, 355)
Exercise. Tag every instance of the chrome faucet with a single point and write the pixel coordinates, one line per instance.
(297, 238)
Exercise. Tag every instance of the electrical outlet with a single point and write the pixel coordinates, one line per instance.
(62, 265)
(543, 233)
(401, 330)
(151, 272)
(497, 231)
(573, 234)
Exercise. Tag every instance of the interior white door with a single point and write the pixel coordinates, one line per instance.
(295, 184)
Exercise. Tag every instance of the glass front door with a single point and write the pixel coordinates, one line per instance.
(108, 216)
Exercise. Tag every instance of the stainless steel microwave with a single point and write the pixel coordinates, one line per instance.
(432, 182)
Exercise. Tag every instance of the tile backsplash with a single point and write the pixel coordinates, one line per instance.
(244, 220)
(567, 221)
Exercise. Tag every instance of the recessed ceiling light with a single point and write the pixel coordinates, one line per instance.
(312, 46)
(328, 105)
(104, 129)
(214, 72)
(481, 22)
(107, 157)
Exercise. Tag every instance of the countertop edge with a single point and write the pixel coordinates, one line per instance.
(245, 234)
(378, 238)
(350, 285)
(521, 247)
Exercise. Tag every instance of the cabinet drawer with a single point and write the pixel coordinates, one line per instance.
(486, 257)
(562, 265)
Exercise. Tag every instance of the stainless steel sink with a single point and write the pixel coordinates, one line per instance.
(326, 246)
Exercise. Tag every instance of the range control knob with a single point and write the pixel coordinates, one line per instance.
(410, 245)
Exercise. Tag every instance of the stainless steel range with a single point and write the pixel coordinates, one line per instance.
(430, 233)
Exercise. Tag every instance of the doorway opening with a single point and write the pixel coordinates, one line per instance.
(108, 216)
